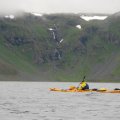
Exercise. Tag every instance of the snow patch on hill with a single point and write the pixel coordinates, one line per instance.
(78, 26)
(88, 18)
(37, 14)
(10, 16)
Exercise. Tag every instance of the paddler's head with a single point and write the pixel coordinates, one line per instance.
(82, 82)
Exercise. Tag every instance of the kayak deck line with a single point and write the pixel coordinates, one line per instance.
(90, 90)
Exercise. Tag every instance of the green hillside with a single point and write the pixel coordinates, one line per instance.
(52, 48)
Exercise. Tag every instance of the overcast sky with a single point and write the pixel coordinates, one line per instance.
(60, 6)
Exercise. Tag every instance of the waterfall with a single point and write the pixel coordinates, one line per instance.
(56, 35)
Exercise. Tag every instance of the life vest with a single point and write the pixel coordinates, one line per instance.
(84, 86)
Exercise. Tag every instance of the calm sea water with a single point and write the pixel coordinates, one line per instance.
(34, 101)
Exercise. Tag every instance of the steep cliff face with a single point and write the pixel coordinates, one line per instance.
(56, 46)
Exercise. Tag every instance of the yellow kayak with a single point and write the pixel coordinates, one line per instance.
(90, 90)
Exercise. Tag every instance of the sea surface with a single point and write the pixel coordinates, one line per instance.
(34, 101)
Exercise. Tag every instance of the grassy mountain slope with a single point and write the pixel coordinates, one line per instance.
(28, 50)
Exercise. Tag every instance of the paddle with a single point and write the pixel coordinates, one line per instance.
(82, 80)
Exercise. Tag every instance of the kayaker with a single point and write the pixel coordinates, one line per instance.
(83, 86)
